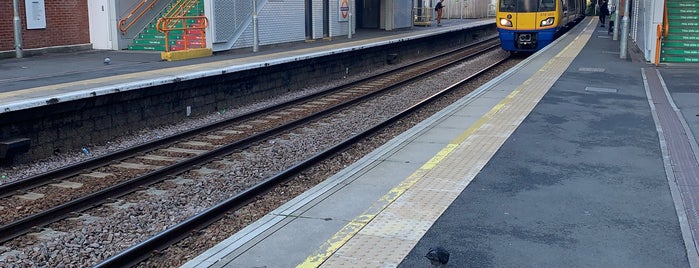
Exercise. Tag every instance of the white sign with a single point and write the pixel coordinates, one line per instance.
(344, 10)
(36, 14)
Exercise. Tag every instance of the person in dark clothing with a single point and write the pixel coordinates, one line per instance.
(439, 8)
(603, 11)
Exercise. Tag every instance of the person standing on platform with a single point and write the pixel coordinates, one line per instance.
(611, 22)
(439, 8)
(603, 11)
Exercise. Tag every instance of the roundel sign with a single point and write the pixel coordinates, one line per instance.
(344, 9)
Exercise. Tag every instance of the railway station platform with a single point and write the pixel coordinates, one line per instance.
(51, 99)
(62, 77)
(574, 158)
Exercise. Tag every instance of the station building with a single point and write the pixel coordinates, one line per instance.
(226, 24)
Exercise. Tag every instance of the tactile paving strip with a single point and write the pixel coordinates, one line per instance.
(683, 164)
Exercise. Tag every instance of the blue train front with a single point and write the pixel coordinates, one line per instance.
(530, 25)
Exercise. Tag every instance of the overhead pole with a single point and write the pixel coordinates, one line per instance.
(349, 18)
(255, 36)
(617, 25)
(18, 29)
(624, 31)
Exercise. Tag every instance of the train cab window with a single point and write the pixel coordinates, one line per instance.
(547, 5)
(527, 5)
(508, 5)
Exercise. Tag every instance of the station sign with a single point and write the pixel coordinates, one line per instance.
(344, 10)
(36, 14)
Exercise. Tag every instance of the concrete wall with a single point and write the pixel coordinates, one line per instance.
(91, 121)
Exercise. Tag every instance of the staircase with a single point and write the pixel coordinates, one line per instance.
(151, 39)
(682, 41)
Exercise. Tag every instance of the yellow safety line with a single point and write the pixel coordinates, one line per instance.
(348, 231)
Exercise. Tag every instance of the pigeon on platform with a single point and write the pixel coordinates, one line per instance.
(107, 60)
(438, 257)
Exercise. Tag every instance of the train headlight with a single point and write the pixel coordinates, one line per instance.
(505, 22)
(547, 22)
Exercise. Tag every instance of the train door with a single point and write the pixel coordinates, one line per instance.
(368, 13)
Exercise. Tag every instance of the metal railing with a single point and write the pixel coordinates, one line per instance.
(139, 10)
(422, 15)
(181, 8)
(661, 32)
(166, 25)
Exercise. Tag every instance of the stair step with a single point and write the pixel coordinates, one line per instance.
(680, 45)
(681, 12)
(689, 31)
(172, 35)
(682, 5)
(150, 31)
(683, 23)
(192, 37)
(161, 42)
(151, 36)
(683, 17)
(681, 52)
(147, 47)
(190, 42)
(148, 42)
(682, 38)
(179, 48)
(195, 31)
(678, 59)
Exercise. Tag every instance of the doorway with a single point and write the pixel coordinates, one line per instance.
(98, 15)
(309, 19)
(368, 13)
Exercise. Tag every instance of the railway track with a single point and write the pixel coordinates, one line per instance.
(163, 159)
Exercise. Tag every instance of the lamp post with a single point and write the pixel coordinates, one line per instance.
(18, 29)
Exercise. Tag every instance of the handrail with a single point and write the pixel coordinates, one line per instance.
(660, 32)
(180, 9)
(166, 25)
(665, 20)
(123, 27)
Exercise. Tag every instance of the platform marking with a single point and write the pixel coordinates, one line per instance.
(479, 137)
(601, 89)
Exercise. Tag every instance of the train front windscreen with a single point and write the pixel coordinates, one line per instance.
(527, 5)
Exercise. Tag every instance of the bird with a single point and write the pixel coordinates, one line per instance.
(438, 257)
(107, 60)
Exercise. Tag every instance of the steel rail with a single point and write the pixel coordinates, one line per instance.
(139, 252)
(78, 168)
(24, 225)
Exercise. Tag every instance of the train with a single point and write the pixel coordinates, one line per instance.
(530, 25)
